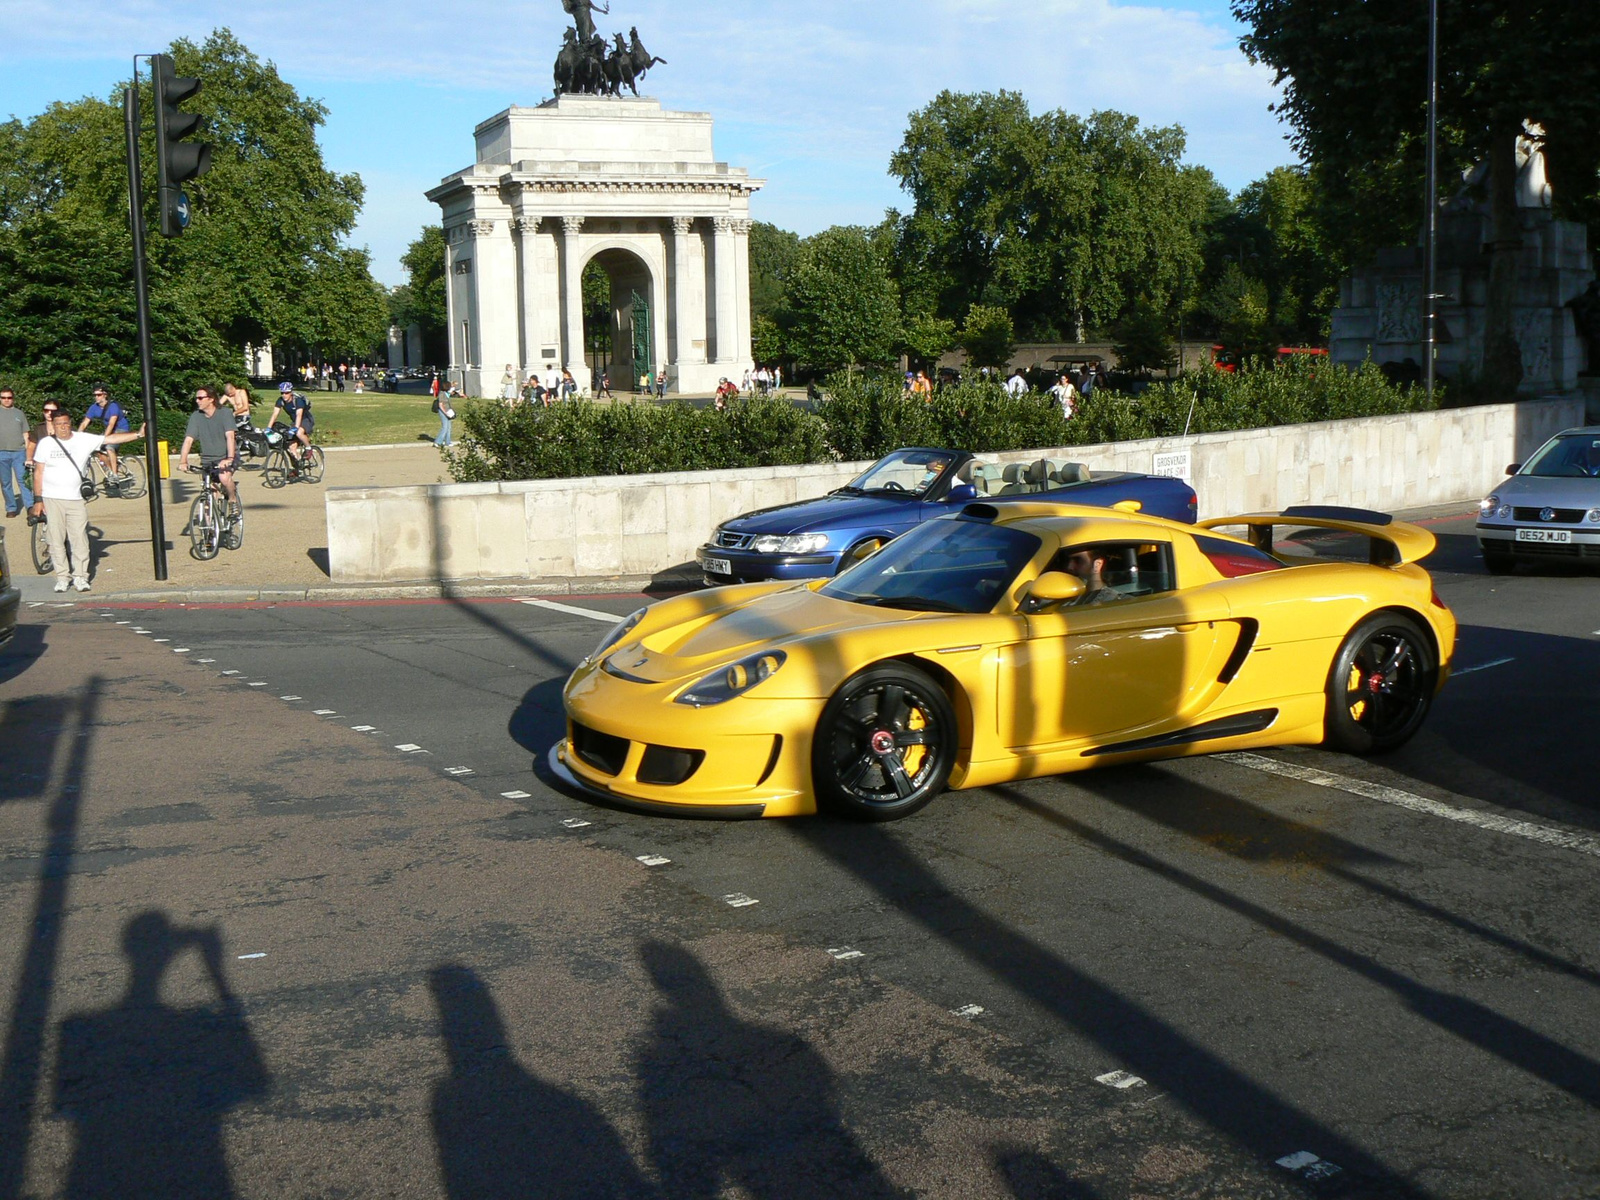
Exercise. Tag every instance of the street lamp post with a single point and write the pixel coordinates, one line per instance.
(1431, 208)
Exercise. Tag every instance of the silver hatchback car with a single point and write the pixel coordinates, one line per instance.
(1548, 510)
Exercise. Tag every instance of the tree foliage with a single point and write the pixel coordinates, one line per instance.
(423, 301)
(264, 259)
(841, 308)
(987, 336)
(1143, 340)
(773, 252)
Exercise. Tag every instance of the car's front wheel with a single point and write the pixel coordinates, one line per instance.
(1381, 686)
(884, 746)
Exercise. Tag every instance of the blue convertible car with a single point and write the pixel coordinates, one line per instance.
(812, 538)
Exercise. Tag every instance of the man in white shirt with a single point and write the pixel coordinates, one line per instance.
(1017, 385)
(60, 472)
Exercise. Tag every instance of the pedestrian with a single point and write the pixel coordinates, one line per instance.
(605, 386)
(644, 382)
(508, 385)
(446, 413)
(13, 454)
(61, 490)
(1017, 384)
(744, 385)
(1087, 386)
(661, 384)
(569, 385)
(1066, 396)
(340, 374)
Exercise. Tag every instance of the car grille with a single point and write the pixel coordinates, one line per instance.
(667, 765)
(1569, 516)
(600, 750)
(1556, 550)
(734, 541)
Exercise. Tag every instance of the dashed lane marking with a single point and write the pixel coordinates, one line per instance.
(119, 622)
(257, 683)
(739, 900)
(458, 771)
(1119, 1079)
(40, 604)
(652, 860)
(1308, 1166)
(205, 660)
(257, 954)
(592, 614)
(576, 823)
(1549, 836)
(363, 728)
(323, 712)
(408, 747)
(968, 1011)
(158, 641)
(843, 953)
(1499, 662)
(181, 650)
(232, 672)
(516, 795)
(291, 698)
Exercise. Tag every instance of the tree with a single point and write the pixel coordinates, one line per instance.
(772, 256)
(1143, 340)
(987, 336)
(766, 340)
(1238, 303)
(925, 337)
(840, 306)
(1355, 91)
(424, 261)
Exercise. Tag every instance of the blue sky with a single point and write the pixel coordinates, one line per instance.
(810, 94)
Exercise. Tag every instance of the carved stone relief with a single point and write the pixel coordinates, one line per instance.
(1399, 312)
(1532, 328)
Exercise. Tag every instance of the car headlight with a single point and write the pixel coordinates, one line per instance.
(728, 682)
(1505, 511)
(1594, 516)
(795, 543)
(622, 630)
(1487, 505)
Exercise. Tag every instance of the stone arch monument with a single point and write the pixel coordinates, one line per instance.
(606, 179)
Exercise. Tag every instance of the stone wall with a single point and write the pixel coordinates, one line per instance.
(635, 526)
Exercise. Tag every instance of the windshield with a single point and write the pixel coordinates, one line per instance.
(949, 565)
(1571, 455)
(905, 472)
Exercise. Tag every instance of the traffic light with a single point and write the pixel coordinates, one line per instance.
(176, 160)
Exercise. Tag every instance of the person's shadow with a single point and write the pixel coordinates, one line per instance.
(147, 1086)
(503, 1132)
(732, 1104)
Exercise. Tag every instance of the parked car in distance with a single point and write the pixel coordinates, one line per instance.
(1548, 510)
(828, 534)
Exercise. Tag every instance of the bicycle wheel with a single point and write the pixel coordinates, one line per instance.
(135, 481)
(232, 527)
(205, 533)
(276, 472)
(311, 465)
(41, 549)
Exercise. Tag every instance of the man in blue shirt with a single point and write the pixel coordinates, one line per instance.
(108, 410)
(296, 410)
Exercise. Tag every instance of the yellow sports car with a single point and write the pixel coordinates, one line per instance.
(1010, 641)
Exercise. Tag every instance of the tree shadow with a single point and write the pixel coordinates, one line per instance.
(26, 647)
(502, 1131)
(147, 1085)
(1031, 1176)
(735, 1105)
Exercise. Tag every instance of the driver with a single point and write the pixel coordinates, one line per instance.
(1088, 563)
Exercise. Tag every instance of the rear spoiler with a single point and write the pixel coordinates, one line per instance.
(1389, 542)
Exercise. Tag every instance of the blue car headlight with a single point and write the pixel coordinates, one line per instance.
(623, 629)
(794, 543)
(727, 682)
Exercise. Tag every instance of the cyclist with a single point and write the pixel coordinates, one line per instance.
(297, 411)
(214, 430)
(108, 410)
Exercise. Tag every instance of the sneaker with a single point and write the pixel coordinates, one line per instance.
(81, 585)
(61, 585)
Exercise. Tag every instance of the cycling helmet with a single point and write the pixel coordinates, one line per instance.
(286, 387)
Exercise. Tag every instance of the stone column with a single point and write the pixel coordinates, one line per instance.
(686, 329)
(741, 289)
(572, 356)
(526, 230)
(727, 287)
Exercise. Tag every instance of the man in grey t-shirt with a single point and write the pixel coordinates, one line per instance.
(214, 430)
(13, 453)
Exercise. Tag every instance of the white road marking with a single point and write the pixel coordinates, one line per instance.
(230, 672)
(1308, 1166)
(576, 823)
(363, 728)
(739, 900)
(158, 641)
(65, 605)
(119, 622)
(205, 660)
(257, 683)
(968, 1011)
(1388, 795)
(181, 650)
(1499, 662)
(323, 712)
(1119, 1079)
(258, 954)
(458, 770)
(516, 795)
(40, 604)
(592, 614)
(844, 952)
(291, 698)
(408, 747)
(653, 860)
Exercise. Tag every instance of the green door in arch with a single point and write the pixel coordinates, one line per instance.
(643, 357)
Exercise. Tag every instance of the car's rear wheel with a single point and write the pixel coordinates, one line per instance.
(884, 745)
(1498, 562)
(1381, 686)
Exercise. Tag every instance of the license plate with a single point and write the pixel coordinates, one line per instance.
(1544, 535)
(717, 566)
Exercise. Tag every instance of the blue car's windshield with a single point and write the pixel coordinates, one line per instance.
(1573, 455)
(905, 473)
(949, 565)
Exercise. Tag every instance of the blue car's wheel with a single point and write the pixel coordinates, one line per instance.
(884, 745)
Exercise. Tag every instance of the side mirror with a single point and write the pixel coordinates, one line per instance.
(962, 493)
(1513, 468)
(1051, 588)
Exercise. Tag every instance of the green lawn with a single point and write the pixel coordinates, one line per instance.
(370, 419)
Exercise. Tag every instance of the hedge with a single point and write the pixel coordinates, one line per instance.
(864, 416)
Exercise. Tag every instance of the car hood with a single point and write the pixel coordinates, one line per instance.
(825, 513)
(1556, 491)
(705, 641)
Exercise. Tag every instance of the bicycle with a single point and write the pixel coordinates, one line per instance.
(284, 464)
(39, 536)
(128, 482)
(212, 524)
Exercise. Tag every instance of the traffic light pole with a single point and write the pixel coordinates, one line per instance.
(141, 287)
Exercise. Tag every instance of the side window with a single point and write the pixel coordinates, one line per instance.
(1131, 569)
(1233, 559)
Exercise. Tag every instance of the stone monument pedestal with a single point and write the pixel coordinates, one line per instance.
(618, 182)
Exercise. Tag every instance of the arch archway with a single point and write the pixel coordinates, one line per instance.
(633, 316)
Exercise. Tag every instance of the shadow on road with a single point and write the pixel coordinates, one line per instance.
(24, 649)
(1031, 1176)
(501, 1130)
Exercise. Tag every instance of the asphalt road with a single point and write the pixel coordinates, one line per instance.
(1365, 978)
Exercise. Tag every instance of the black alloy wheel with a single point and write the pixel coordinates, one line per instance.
(1381, 686)
(884, 745)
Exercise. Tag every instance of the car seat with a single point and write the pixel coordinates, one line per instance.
(1014, 484)
(1037, 475)
(1063, 472)
(986, 478)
